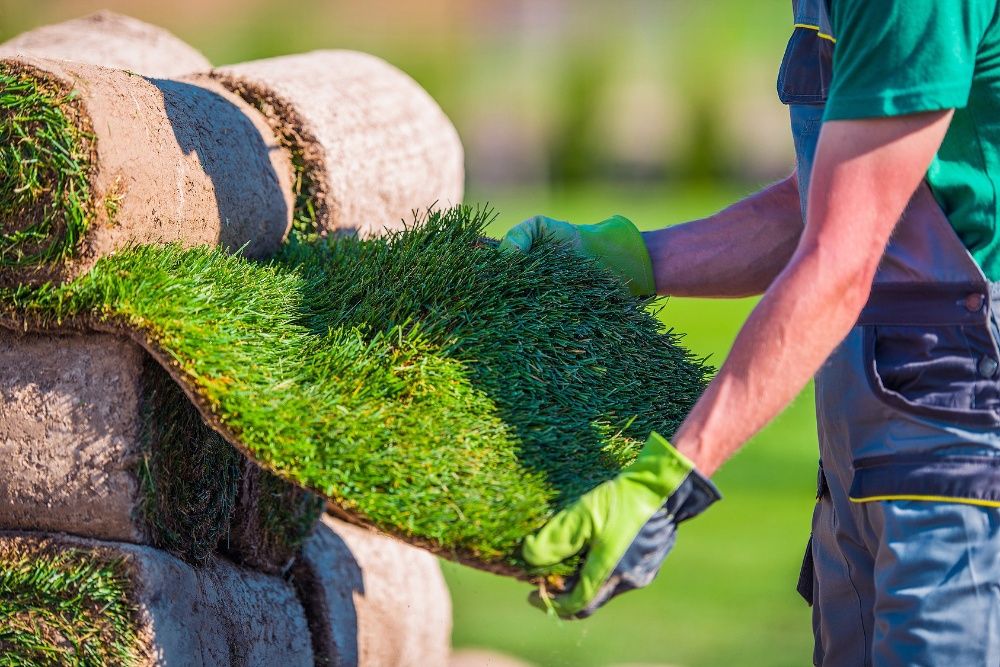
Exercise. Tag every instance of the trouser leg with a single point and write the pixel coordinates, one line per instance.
(906, 583)
(937, 576)
(843, 589)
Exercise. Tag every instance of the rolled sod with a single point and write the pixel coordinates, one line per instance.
(96, 159)
(112, 40)
(370, 146)
(97, 440)
(428, 384)
(372, 600)
(68, 601)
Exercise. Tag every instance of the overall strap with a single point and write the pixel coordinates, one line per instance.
(813, 15)
(924, 248)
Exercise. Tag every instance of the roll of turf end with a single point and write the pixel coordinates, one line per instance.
(95, 159)
(369, 145)
(66, 600)
(145, 468)
(110, 39)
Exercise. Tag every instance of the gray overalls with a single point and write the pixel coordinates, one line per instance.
(903, 566)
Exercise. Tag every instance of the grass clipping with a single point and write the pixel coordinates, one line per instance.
(430, 384)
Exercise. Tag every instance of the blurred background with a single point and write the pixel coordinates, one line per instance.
(661, 110)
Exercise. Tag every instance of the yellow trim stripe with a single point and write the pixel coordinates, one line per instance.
(935, 499)
(816, 28)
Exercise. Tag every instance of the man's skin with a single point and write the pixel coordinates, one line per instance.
(700, 258)
(817, 277)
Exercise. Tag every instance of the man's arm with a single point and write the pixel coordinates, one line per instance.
(864, 174)
(736, 252)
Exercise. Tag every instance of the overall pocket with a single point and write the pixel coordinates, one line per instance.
(807, 68)
(928, 476)
(948, 372)
(807, 571)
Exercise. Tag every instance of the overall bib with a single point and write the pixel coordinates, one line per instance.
(903, 567)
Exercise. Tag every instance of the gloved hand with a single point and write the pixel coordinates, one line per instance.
(627, 526)
(616, 243)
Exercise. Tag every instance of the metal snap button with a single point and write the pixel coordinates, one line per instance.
(974, 302)
(988, 366)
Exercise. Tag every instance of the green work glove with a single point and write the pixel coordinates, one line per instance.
(626, 526)
(616, 243)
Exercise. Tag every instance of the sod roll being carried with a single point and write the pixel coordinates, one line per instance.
(370, 146)
(429, 384)
(95, 159)
(110, 39)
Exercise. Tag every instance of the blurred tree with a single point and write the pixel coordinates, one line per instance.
(581, 81)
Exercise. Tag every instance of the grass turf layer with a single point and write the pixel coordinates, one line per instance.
(65, 607)
(44, 191)
(428, 383)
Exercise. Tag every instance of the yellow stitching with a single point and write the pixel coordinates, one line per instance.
(816, 28)
(936, 499)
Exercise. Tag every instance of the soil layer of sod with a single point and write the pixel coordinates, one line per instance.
(428, 384)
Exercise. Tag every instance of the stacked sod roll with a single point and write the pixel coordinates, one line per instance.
(369, 145)
(98, 442)
(372, 600)
(354, 598)
(189, 549)
(96, 159)
(71, 601)
(112, 40)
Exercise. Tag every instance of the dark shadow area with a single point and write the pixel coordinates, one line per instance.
(325, 584)
(231, 151)
(188, 474)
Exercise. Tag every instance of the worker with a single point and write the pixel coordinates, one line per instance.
(878, 260)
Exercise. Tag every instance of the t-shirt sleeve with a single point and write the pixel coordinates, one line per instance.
(895, 57)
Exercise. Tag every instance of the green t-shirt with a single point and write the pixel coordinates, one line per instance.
(895, 57)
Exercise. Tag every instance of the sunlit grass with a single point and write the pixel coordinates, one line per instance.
(44, 189)
(65, 607)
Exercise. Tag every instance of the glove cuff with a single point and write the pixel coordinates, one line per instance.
(692, 497)
(619, 245)
(663, 469)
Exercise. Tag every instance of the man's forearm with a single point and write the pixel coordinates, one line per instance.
(864, 174)
(736, 252)
(785, 340)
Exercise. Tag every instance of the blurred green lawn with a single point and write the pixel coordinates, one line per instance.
(726, 595)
